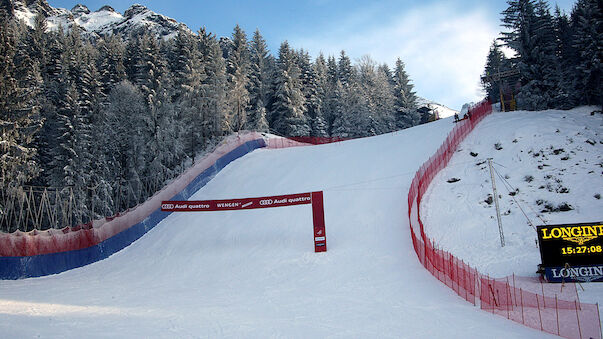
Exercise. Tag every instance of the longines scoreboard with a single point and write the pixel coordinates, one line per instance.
(572, 252)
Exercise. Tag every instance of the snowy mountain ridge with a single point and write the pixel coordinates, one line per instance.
(104, 21)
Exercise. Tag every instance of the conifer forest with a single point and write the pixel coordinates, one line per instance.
(93, 125)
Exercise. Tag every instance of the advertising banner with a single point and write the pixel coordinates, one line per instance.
(590, 273)
(314, 198)
(236, 204)
(572, 252)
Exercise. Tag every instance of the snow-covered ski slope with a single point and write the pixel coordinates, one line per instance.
(254, 274)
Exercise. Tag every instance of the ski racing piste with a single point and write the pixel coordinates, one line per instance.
(388, 281)
(249, 273)
(40, 253)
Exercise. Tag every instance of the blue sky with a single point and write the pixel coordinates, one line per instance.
(443, 43)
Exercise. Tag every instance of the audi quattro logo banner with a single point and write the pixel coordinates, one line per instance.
(314, 198)
(237, 204)
(571, 252)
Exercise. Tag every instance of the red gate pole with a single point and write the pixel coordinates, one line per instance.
(318, 218)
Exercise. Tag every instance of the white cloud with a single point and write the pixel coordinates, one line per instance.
(444, 48)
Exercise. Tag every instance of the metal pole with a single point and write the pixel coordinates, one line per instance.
(500, 228)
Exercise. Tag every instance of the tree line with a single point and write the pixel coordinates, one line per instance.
(557, 56)
(86, 114)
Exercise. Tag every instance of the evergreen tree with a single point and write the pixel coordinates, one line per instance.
(19, 108)
(189, 75)
(259, 83)
(496, 62)
(330, 106)
(350, 107)
(369, 123)
(313, 102)
(237, 66)
(531, 36)
(564, 95)
(587, 25)
(288, 102)
(345, 71)
(319, 123)
(215, 85)
(126, 123)
(111, 66)
(405, 100)
(384, 99)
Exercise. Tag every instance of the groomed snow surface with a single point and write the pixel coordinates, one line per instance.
(254, 274)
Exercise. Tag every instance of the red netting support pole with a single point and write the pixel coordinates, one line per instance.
(539, 314)
(543, 296)
(508, 297)
(557, 312)
(598, 317)
(465, 279)
(514, 289)
(456, 266)
(578, 318)
(523, 320)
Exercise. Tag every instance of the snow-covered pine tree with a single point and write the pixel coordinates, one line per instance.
(345, 71)
(405, 100)
(71, 167)
(319, 123)
(19, 108)
(288, 101)
(384, 99)
(368, 123)
(346, 104)
(564, 95)
(188, 76)
(237, 67)
(587, 24)
(330, 105)
(111, 66)
(313, 101)
(52, 73)
(349, 107)
(215, 85)
(530, 35)
(127, 119)
(259, 83)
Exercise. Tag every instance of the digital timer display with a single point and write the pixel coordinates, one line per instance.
(581, 250)
(571, 244)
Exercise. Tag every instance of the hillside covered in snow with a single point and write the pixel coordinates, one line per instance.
(548, 170)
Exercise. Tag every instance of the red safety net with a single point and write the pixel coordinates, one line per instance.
(286, 142)
(318, 140)
(552, 308)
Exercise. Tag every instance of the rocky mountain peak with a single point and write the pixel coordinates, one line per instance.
(106, 8)
(105, 21)
(79, 10)
(134, 10)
